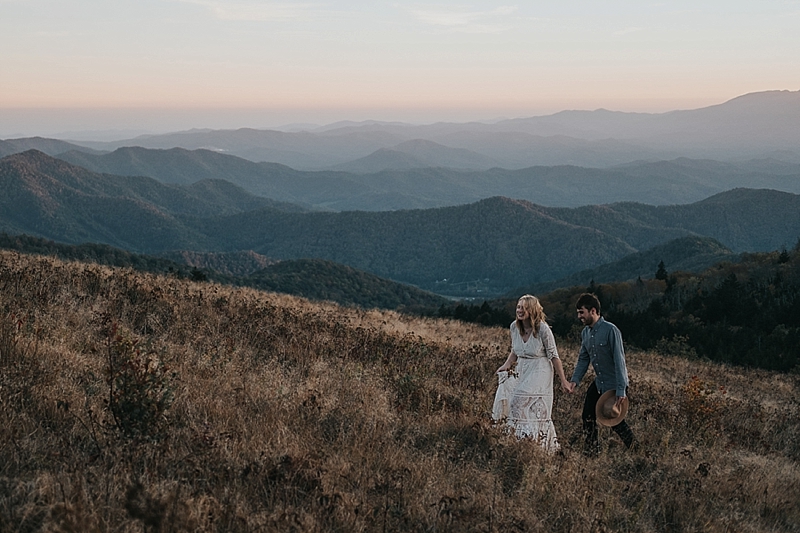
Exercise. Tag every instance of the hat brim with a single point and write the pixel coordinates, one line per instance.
(602, 419)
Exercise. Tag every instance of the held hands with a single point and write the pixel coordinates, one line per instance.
(569, 386)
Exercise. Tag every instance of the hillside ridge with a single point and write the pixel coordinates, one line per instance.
(475, 245)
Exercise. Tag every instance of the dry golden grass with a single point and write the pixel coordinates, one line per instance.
(286, 415)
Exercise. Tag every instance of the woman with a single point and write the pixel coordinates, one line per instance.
(525, 393)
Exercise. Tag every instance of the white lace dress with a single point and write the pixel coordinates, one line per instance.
(525, 395)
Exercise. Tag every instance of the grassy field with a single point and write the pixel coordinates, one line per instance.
(133, 402)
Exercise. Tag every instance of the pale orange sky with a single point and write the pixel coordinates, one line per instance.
(159, 65)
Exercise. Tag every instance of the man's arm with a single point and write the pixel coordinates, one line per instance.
(582, 365)
(620, 368)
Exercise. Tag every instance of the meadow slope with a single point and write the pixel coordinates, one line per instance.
(136, 402)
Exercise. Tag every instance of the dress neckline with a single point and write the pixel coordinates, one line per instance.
(522, 336)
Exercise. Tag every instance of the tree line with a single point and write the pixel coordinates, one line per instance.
(742, 313)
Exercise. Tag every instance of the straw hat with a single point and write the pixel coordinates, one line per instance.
(607, 413)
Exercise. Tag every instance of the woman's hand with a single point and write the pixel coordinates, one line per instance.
(509, 364)
(568, 386)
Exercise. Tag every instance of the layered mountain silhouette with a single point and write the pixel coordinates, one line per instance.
(43, 144)
(332, 149)
(756, 125)
(47, 197)
(490, 246)
(418, 154)
(567, 159)
(656, 183)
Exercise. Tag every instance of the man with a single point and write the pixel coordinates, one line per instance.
(601, 345)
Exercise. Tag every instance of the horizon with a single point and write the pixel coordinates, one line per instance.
(172, 65)
(178, 120)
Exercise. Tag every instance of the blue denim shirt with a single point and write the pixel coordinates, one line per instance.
(601, 345)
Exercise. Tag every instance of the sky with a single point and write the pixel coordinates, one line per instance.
(105, 67)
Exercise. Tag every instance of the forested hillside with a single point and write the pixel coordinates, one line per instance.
(242, 263)
(47, 197)
(318, 279)
(739, 312)
(314, 279)
(480, 249)
(688, 254)
(406, 183)
(743, 314)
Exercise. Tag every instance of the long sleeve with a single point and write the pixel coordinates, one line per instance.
(601, 345)
(583, 362)
(620, 368)
(548, 341)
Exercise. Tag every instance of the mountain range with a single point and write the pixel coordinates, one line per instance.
(484, 247)
(657, 183)
(568, 159)
(756, 125)
(458, 209)
(43, 144)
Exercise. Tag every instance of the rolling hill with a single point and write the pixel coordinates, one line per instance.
(315, 279)
(440, 249)
(48, 146)
(486, 247)
(688, 254)
(341, 147)
(318, 279)
(47, 197)
(677, 181)
(302, 150)
(418, 153)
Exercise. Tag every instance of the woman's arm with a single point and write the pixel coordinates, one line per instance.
(549, 342)
(566, 385)
(512, 358)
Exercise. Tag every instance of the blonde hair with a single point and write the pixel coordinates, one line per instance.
(535, 311)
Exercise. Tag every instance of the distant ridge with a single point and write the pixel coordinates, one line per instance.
(49, 198)
(382, 159)
(483, 248)
(755, 125)
(48, 146)
(417, 154)
(677, 181)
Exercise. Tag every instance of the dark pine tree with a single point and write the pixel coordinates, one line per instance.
(661, 273)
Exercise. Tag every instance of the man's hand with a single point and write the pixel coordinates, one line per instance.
(620, 401)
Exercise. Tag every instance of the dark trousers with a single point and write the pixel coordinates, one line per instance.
(590, 422)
